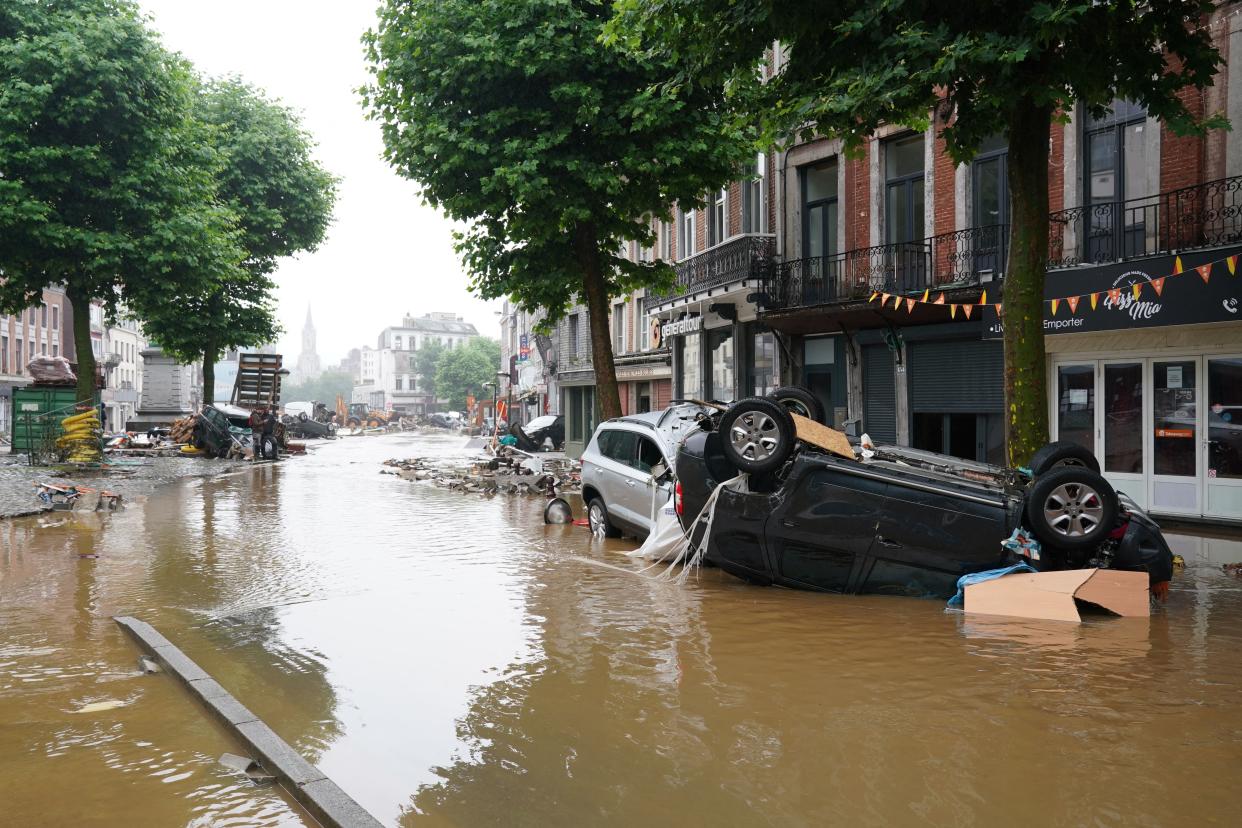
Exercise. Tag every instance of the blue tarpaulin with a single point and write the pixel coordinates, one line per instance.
(980, 577)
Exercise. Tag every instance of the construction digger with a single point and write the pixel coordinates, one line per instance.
(357, 415)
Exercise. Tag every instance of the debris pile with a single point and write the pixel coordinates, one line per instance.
(76, 498)
(509, 471)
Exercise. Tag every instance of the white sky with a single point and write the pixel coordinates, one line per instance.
(386, 253)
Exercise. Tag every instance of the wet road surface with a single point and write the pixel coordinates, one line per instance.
(449, 660)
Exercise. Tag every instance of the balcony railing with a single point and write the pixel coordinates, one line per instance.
(744, 257)
(1205, 215)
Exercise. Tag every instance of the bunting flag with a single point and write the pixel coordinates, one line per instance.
(1055, 303)
(966, 309)
(1158, 285)
(1072, 301)
(1205, 271)
(884, 299)
(983, 300)
(939, 300)
(953, 311)
(926, 293)
(1232, 262)
(1177, 265)
(1114, 296)
(998, 309)
(896, 302)
(1095, 298)
(874, 294)
(910, 306)
(1137, 287)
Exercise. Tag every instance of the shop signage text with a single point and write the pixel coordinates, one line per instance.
(691, 324)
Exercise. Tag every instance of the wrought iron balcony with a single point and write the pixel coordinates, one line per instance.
(743, 257)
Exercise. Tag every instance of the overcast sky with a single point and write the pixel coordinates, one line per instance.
(387, 253)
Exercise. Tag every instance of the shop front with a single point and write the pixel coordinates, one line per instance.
(1151, 379)
(645, 380)
(716, 357)
(581, 410)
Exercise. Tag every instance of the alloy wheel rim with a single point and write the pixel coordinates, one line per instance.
(754, 435)
(596, 518)
(1074, 509)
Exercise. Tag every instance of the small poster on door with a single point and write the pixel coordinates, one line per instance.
(1078, 396)
(1173, 379)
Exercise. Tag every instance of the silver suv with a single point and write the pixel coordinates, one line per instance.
(627, 469)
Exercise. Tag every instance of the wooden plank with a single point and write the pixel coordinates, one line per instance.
(817, 434)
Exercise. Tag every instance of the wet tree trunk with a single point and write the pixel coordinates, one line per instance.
(1026, 392)
(210, 354)
(594, 288)
(82, 344)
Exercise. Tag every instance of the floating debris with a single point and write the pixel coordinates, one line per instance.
(508, 471)
(251, 768)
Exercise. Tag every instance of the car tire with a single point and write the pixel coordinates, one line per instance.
(800, 401)
(1063, 453)
(302, 417)
(353, 422)
(757, 435)
(1071, 508)
(598, 521)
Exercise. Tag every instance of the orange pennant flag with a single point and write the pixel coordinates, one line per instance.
(1072, 301)
(1158, 285)
(909, 306)
(939, 300)
(874, 294)
(1115, 296)
(926, 293)
(998, 309)
(1205, 271)
(1232, 261)
(966, 309)
(1055, 304)
(953, 311)
(884, 299)
(1177, 265)
(1137, 288)
(1095, 298)
(983, 300)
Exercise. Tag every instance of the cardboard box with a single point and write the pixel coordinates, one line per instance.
(1055, 596)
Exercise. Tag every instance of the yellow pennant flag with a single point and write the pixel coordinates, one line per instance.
(1232, 261)
(926, 293)
(1205, 271)
(953, 311)
(874, 294)
(896, 302)
(1177, 265)
(1095, 298)
(1137, 288)
(966, 309)
(1055, 304)
(1158, 285)
(1072, 301)
(983, 300)
(909, 306)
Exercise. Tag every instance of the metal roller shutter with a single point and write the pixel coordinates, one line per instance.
(879, 394)
(958, 376)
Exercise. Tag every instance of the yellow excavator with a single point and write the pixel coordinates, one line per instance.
(357, 415)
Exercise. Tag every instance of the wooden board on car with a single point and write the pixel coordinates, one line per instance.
(817, 434)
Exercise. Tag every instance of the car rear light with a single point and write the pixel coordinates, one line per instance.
(677, 506)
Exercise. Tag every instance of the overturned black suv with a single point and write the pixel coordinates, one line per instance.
(895, 520)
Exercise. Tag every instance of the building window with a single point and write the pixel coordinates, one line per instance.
(400, 383)
(691, 367)
(762, 362)
(4, 354)
(573, 336)
(666, 241)
(903, 175)
(1115, 182)
(755, 198)
(618, 328)
(685, 233)
(720, 358)
(819, 210)
(718, 217)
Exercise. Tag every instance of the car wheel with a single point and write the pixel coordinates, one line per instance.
(267, 447)
(800, 401)
(1071, 508)
(757, 435)
(302, 417)
(1063, 453)
(597, 519)
(353, 422)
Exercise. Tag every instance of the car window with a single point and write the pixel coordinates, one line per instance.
(647, 456)
(620, 446)
(603, 442)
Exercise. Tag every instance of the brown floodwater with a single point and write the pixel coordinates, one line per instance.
(449, 660)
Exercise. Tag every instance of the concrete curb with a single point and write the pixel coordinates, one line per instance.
(305, 782)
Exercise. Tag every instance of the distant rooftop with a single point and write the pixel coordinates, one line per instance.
(436, 323)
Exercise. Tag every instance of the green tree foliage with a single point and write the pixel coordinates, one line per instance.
(323, 388)
(282, 200)
(969, 68)
(463, 370)
(426, 360)
(106, 183)
(555, 147)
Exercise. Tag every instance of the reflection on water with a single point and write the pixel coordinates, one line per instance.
(450, 660)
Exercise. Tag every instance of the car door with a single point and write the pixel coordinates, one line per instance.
(615, 476)
(932, 533)
(823, 529)
(650, 495)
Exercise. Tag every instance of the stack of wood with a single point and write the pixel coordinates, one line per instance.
(182, 430)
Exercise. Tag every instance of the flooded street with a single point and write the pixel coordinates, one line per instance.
(449, 660)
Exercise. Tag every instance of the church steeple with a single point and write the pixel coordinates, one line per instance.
(308, 361)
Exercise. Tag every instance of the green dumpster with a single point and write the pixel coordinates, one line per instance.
(37, 412)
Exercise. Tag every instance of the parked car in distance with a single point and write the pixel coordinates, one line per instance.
(900, 520)
(547, 431)
(627, 469)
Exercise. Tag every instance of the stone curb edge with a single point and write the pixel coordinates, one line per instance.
(306, 783)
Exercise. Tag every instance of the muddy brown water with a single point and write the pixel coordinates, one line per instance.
(449, 660)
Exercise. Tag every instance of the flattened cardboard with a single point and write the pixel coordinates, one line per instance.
(829, 439)
(1051, 595)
